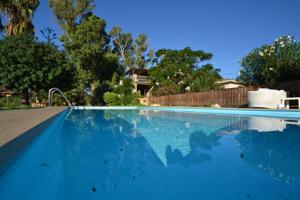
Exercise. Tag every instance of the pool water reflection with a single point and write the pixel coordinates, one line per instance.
(148, 154)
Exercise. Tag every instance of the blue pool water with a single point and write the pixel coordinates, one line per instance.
(157, 154)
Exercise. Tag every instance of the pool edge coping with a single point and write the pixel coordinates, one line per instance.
(11, 148)
(230, 111)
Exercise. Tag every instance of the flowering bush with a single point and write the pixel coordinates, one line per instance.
(271, 64)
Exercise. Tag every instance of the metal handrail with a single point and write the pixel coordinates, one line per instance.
(50, 96)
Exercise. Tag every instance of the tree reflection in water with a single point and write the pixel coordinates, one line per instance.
(129, 154)
(199, 141)
(107, 149)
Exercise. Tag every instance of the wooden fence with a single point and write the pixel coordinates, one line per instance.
(236, 97)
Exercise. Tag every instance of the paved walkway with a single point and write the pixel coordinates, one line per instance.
(15, 122)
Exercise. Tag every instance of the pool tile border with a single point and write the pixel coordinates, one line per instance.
(226, 111)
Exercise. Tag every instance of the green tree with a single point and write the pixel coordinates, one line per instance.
(87, 45)
(69, 12)
(49, 35)
(32, 64)
(1, 25)
(272, 64)
(131, 52)
(205, 78)
(180, 70)
(88, 48)
(140, 49)
(123, 46)
(18, 16)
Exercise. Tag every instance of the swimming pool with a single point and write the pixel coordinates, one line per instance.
(161, 153)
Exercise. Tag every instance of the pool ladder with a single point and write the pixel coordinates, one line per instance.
(50, 96)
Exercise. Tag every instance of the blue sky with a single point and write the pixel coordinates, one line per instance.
(229, 29)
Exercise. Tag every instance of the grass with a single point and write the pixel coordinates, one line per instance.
(12, 102)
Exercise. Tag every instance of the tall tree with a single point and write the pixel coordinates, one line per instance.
(140, 49)
(123, 45)
(87, 44)
(1, 25)
(69, 12)
(49, 35)
(133, 53)
(177, 70)
(18, 15)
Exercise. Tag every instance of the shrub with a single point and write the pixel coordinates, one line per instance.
(125, 88)
(272, 64)
(122, 94)
(131, 99)
(112, 99)
(166, 90)
(13, 102)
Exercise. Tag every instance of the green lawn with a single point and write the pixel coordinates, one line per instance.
(12, 102)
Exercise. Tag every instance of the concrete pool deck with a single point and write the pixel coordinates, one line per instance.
(14, 123)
